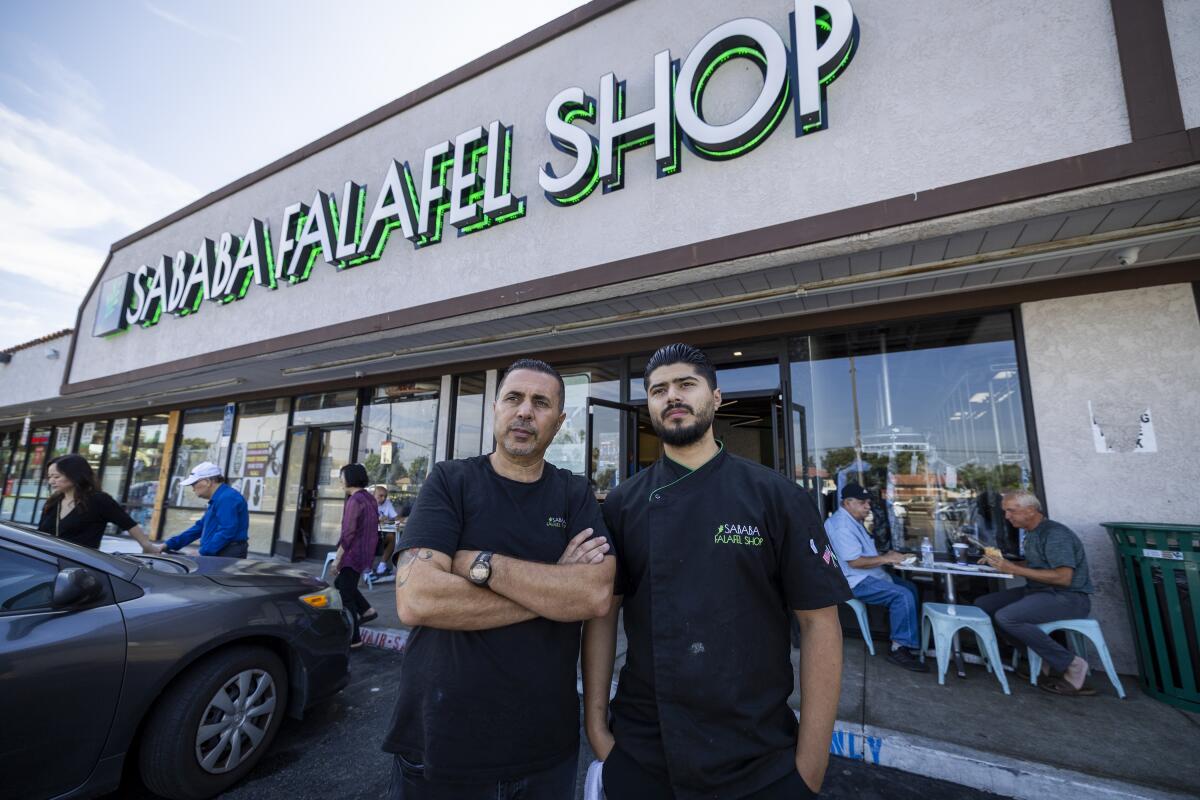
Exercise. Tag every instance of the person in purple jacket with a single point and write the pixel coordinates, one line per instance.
(356, 547)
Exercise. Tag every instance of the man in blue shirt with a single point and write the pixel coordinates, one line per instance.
(863, 567)
(224, 528)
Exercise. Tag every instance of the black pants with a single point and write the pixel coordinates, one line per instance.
(625, 779)
(234, 550)
(347, 583)
(555, 783)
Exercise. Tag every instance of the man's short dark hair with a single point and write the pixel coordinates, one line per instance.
(355, 476)
(537, 365)
(680, 353)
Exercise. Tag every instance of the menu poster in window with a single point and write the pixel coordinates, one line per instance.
(89, 432)
(258, 455)
(385, 453)
(63, 440)
(118, 430)
(238, 460)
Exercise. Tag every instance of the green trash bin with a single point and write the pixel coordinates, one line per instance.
(1160, 571)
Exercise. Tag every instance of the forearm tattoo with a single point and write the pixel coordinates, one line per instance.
(404, 563)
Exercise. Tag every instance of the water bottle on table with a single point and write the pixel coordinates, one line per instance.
(926, 552)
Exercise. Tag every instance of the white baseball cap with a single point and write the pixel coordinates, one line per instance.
(205, 469)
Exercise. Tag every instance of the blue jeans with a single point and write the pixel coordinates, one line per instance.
(900, 597)
(555, 783)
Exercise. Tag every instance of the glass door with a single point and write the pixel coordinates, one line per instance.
(311, 520)
(610, 430)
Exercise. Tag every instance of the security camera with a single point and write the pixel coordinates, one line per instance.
(1128, 256)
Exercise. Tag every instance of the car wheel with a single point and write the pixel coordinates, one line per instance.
(214, 723)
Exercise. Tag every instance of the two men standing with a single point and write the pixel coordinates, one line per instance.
(504, 555)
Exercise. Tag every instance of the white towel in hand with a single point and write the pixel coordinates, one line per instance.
(593, 784)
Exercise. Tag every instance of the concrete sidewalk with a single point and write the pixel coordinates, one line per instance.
(1027, 745)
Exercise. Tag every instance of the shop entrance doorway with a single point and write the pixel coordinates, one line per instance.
(751, 425)
(310, 523)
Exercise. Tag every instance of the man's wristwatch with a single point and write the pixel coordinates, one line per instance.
(481, 569)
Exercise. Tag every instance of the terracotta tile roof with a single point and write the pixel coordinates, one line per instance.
(40, 340)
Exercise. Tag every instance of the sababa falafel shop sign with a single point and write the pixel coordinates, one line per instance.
(467, 183)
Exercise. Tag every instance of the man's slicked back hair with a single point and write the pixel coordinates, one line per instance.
(680, 353)
(536, 365)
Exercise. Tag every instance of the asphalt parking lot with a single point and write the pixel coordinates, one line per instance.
(334, 752)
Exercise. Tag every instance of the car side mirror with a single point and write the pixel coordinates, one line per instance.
(76, 586)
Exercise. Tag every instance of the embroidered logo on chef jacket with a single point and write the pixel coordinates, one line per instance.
(734, 533)
(556, 522)
(829, 557)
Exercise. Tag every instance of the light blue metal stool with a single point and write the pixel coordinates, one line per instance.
(944, 620)
(1079, 631)
(860, 611)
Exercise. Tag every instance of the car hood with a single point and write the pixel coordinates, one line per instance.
(249, 572)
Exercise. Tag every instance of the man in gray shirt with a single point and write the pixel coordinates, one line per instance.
(1057, 587)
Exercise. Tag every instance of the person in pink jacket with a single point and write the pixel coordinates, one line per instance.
(356, 547)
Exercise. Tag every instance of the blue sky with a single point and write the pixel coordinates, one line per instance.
(114, 114)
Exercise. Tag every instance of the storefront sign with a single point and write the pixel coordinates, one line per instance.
(466, 181)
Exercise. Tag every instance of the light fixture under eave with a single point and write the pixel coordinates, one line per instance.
(737, 352)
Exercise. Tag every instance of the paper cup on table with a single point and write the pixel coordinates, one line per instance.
(960, 553)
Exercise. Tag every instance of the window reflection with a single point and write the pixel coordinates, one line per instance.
(396, 440)
(199, 441)
(602, 381)
(928, 416)
(468, 416)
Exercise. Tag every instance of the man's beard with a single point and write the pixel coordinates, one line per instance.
(682, 436)
(528, 447)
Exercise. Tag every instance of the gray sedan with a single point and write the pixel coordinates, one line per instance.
(184, 665)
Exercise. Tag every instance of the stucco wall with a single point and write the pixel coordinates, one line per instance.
(1183, 26)
(939, 92)
(1124, 352)
(30, 376)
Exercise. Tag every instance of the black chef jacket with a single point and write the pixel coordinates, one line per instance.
(710, 563)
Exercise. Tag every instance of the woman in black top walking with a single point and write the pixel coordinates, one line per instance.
(78, 512)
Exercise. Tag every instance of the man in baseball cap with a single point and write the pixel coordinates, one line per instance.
(224, 530)
(869, 581)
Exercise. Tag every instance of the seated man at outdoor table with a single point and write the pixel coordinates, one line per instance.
(387, 516)
(863, 567)
(1057, 587)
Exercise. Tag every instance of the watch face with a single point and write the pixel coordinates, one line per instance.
(480, 572)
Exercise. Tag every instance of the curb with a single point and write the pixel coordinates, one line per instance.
(991, 772)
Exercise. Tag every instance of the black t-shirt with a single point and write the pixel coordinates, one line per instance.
(85, 524)
(500, 703)
(711, 563)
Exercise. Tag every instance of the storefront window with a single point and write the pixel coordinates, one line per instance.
(30, 480)
(329, 408)
(199, 441)
(398, 435)
(11, 465)
(91, 443)
(256, 464)
(147, 463)
(468, 416)
(601, 381)
(115, 476)
(927, 415)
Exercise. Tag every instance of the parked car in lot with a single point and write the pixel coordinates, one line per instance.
(185, 664)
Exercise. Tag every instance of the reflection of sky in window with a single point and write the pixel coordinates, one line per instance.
(946, 396)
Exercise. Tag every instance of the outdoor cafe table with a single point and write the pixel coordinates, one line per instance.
(950, 569)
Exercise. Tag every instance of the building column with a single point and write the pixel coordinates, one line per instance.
(441, 448)
(487, 443)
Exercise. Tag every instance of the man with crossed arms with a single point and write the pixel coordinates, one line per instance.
(495, 587)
